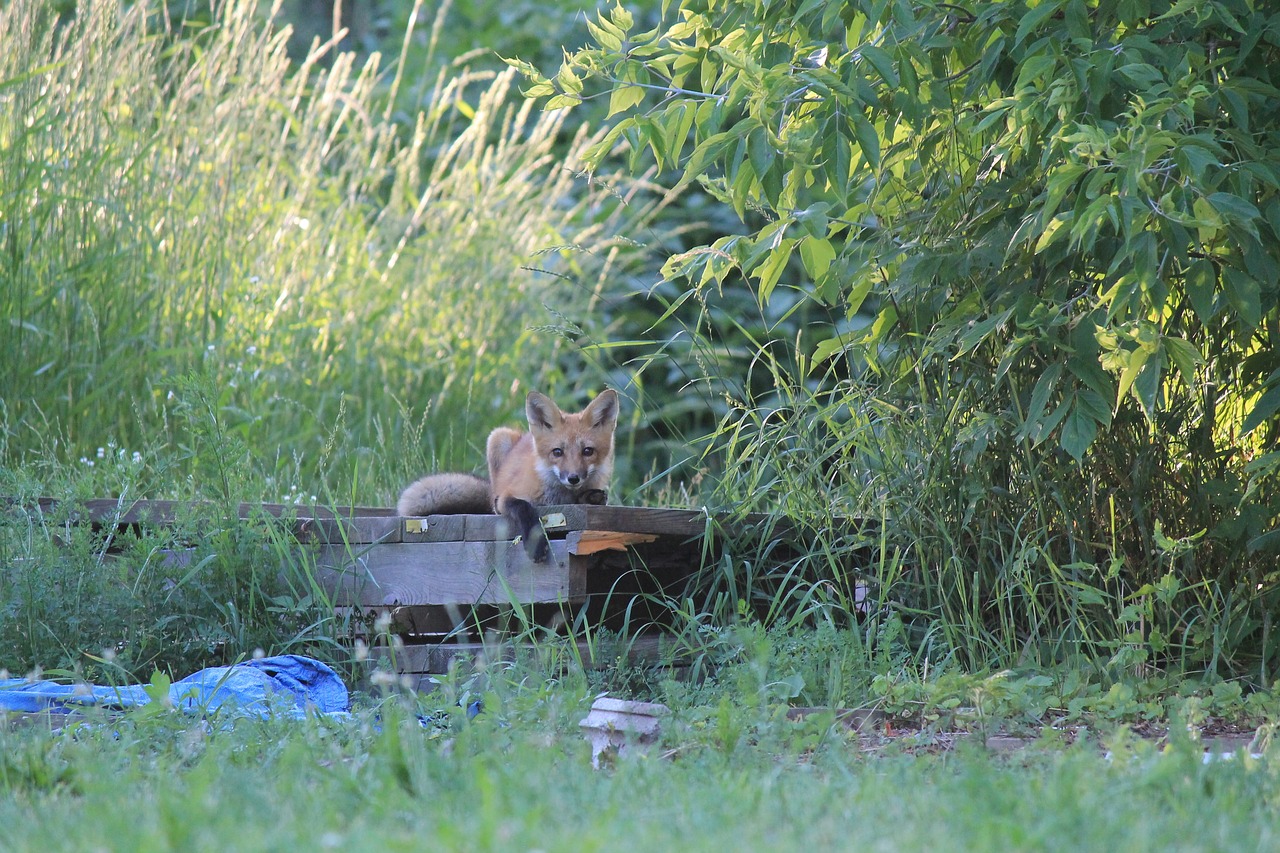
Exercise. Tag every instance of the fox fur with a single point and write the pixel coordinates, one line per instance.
(562, 459)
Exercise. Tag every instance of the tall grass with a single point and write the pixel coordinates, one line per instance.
(971, 545)
(362, 288)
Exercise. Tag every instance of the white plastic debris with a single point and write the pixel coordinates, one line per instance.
(615, 727)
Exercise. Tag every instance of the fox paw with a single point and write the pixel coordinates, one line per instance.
(537, 547)
(596, 497)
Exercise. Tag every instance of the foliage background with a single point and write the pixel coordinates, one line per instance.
(1044, 235)
(1001, 282)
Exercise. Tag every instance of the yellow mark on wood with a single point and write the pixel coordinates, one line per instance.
(415, 525)
(554, 521)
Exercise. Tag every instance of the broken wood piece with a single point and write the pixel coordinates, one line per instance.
(584, 542)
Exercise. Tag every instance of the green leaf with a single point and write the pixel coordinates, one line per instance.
(1185, 357)
(1147, 386)
(605, 34)
(1233, 207)
(770, 271)
(707, 152)
(679, 120)
(1033, 18)
(1062, 181)
(826, 349)
(858, 295)
(838, 155)
(158, 690)
(1054, 231)
(1263, 410)
(621, 18)
(1094, 405)
(1078, 432)
(568, 81)
(1207, 216)
(1201, 285)
(1244, 295)
(817, 255)
(1031, 427)
(868, 139)
(623, 98)
(560, 102)
(882, 62)
(813, 219)
(760, 151)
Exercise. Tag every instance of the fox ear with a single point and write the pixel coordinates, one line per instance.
(542, 413)
(603, 410)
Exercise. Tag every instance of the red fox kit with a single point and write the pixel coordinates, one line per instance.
(562, 459)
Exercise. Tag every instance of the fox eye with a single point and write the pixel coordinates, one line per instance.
(557, 452)
(588, 451)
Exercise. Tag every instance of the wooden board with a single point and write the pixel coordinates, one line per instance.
(563, 519)
(685, 523)
(111, 510)
(436, 657)
(464, 573)
(459, 623)
(355, 530)
(356, 524)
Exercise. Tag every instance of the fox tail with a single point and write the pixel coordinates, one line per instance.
(445, 494)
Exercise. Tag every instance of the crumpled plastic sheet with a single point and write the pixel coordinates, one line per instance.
(281, 686)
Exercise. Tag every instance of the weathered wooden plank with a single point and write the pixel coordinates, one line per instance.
(434, 528)
(356, 530)
(684, 523)
(436, 657)
(422, 623)
(116, 511)
(619, 519)
(448, 573)
(488, 528)
(366, 524)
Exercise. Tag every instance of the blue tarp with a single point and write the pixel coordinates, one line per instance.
(285, 685)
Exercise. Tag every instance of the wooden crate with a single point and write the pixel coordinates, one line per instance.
(458, 576)
(449, 582)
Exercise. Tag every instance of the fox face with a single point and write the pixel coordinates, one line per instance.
(573, 452)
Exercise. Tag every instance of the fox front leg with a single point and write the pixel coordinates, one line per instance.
(523, 518)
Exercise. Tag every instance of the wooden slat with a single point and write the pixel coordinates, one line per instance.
(684, 523)
(434, 528)
(620, 519)
(370, 524)
(448, 573)
(422, 623)
(114, 511)
(361, 530)
(435, 657)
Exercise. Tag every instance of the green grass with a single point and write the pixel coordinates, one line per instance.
(365, 291)
(519, 777)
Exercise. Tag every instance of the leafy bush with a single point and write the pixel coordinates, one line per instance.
(1044, 238)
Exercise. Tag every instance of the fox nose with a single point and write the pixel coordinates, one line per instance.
(573, 479)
